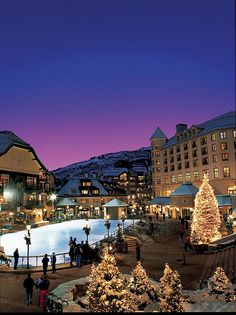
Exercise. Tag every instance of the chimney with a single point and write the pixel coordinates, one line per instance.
(180, 128)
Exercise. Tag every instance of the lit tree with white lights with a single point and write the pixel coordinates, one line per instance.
(107, 290)
(170, 293)
(219, 283)
(206, 216)
(139, 282)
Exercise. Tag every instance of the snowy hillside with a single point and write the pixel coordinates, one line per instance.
(137, 160)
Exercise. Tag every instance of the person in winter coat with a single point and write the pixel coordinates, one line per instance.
(45, 261)
(43, 290)
(78, 254)
(53, 262)
(71, 254)
(28, 284)
(16, 258)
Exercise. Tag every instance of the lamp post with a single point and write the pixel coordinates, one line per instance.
(28, 243)
(123, 218)
(1, 200)
(140, 213)
(107, 224)
(87, 229)
(53, 197)
(133, 215)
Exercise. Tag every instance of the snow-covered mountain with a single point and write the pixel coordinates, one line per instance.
(138, 160)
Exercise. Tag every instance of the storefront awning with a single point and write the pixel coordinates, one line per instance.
(159, 200)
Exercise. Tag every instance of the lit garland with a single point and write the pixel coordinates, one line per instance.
(206, 216)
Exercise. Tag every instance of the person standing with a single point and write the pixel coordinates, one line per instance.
(45, 261)
(53, 262)
(71, 254)
(138, 250)
(78, 254)
(28, 284)
(16, 258)
(43, 290)
(164, 216)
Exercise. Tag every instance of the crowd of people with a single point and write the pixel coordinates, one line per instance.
(82, 253)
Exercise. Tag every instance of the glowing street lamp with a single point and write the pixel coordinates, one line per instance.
(107, 224)
(53, 197)
(87, 229)
(123, 218)
(133, 215)
(28, 243)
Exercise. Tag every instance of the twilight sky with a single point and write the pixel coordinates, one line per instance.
(83, 78)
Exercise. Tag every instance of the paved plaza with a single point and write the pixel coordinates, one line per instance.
(154, 255)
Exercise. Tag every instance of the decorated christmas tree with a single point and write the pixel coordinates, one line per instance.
(139, 282)
(206, 216)
(170, 293)
(219, 283)
(107, 290)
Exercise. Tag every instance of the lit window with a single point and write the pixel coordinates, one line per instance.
(172, 178)
(188, 177)
(213, 147)
(180, 177)
(196, 175)
(213, 136)
(216, 173)
(225, 157)
(226, 171)
(223, 145)
(234, 133)
(86, 183)
(215, 159)
(223, 135)
(84, 192)
(207, 172)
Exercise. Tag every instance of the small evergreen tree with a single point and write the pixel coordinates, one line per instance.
(107, 289)
(170, 293)
(219, 283)
(206, 216)
(139, 282)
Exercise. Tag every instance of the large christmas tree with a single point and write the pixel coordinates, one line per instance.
(206, 216)
(170, 293)
(107, 290)
(139, 282)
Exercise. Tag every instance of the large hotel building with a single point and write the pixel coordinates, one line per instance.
(209, 147)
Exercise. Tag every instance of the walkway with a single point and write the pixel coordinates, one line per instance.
(154, 255)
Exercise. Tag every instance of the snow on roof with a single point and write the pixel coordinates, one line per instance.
(115, 171)
(159, 200)
(8, 138)
(66, 202)
(158, 133)
(185, 189)
(224, 200)
(225, 121)
(115, 203)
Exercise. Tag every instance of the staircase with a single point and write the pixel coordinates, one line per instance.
(225, 258)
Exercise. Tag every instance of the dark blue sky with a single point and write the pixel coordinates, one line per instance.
(82, 78)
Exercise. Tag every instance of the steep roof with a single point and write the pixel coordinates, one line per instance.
(9, 139)
(115, 203)
(225, 121)
(186, 189)
(158, 133)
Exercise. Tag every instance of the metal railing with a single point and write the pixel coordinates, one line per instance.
(61, 258)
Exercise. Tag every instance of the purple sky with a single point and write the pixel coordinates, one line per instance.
(83, 78)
